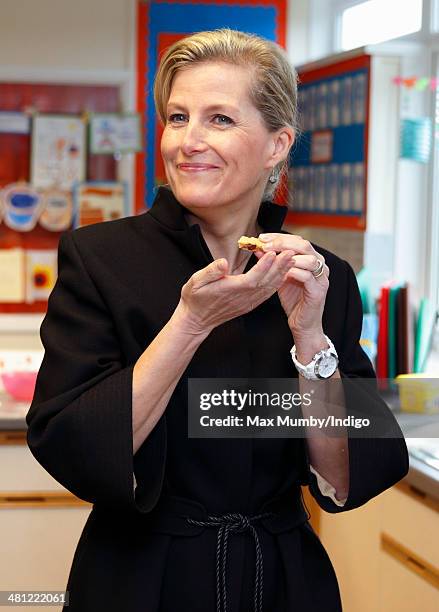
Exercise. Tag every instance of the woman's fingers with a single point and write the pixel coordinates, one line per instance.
(282, 242)
(259, 254)
(269, 270)
(310, 263)
(211, 273)
(255, 275)
(265, 263)
(303, 262)
(214, 297)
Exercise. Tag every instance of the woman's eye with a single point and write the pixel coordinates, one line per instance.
(182, 118)
(175, 117)
(223, 119)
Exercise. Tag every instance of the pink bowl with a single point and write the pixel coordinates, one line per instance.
(20, 385)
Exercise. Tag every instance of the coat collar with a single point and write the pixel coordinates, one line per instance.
(169, 212)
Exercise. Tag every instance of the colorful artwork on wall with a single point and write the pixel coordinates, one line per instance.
(58, 151)
(160, 23)
(22, 205)
(41, 271)
(115, 133)
(328, 167)
(95, 202)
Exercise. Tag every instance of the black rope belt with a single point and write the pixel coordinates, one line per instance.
(179, 516)
(236, 523)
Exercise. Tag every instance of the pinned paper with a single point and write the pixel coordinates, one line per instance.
(111, 133)
(99, 201)
(14, 123)
(22, 206)
(57, 210)
(322, 146)
(41, 272)
(12, 275)
(58, 151)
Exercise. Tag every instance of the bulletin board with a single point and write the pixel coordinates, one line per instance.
(328, 167)
(40, 245)
(161, 23)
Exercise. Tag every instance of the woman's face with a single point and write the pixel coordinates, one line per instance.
(215, 146)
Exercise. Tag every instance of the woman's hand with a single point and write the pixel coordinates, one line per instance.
(212, 297)
(301, 294)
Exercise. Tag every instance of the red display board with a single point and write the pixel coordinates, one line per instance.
(15, 151)
(329, 165)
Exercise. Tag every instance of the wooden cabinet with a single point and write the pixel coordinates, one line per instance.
(411, 520)
(37, 546)
(352, 542)
(386, 553)
(40, 525)
(407, 582)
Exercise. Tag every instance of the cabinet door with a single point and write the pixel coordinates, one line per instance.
(37, 547)
(403, 590)
(20, 471)
(352, 542)
(412, 522)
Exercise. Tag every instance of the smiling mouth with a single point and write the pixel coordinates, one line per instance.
(196, 167)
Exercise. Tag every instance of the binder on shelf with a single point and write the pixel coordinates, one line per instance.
(364, 285)
(424, 331)
(394, 340)
(406, 331)
(383, 334)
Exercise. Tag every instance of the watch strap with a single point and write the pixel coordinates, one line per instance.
(308, 370)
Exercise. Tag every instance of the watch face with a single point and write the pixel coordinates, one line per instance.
(326, 366)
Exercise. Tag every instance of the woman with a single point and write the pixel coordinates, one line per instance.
(146, 303)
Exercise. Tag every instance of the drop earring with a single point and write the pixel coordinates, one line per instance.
(274, 176)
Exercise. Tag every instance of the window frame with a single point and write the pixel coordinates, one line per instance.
(339, 6)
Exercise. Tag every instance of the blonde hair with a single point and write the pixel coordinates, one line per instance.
(274, 88)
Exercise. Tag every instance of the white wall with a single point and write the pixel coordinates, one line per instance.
(72, 34)
(91, 35)
(298, 31)
(321, 40)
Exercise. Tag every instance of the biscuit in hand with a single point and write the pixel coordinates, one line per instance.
(250, 244)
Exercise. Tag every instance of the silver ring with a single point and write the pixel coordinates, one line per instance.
(319, 270)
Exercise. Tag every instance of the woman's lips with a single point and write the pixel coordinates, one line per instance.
(196, 167)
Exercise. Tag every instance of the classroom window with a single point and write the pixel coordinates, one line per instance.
(377, 21)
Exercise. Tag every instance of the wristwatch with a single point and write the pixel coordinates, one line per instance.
(323, 364)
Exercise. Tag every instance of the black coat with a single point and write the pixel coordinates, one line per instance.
(118, 284)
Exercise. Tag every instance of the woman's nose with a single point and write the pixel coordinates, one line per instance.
(193, 138)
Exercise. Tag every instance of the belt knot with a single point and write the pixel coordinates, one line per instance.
(234, 523)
